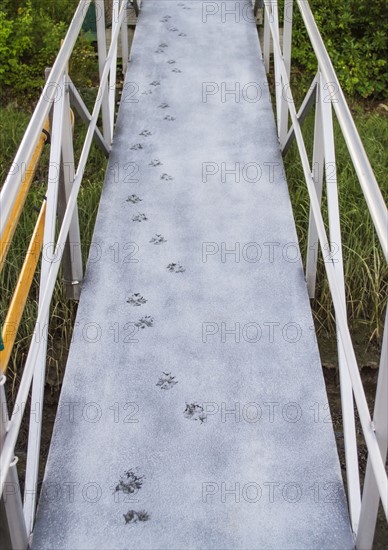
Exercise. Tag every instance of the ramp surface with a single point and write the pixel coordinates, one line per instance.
(193, 413)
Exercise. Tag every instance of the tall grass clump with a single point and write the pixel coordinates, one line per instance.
(62, 313)
(365, 269)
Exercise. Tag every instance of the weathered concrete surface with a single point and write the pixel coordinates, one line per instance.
(252, 464)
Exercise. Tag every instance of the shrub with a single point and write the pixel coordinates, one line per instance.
(30, 38)
(354, 33)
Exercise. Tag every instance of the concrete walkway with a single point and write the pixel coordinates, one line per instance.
(193, 413)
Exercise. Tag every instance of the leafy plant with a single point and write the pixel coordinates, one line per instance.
(30, 38)
(354, 33)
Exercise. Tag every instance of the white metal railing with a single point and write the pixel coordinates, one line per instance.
(55, 101)
(326, 94)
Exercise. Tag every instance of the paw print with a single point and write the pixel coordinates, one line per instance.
(163, 45)
(164, 106)
(171, 61)
(176, 71)
(166, 381)
(136, 300)
(155, 162)
(169, 117)
(147, 92)
(144, 322)
(159, 50)
(165, 19)
(193, 411)
(182, 34)
(139, 218)
(158, 239)
(134, 199)
(155, 83)
(136, 147)
(166, 177)
(129, 483)
(145, 133)
(173, 29)
(176, 268)
(133, 517)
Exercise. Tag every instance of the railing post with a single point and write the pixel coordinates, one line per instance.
(101, 46)
(124, 43)
(370, 495)
(287, 43)
(267, 36)
(347, 402)
(113, 68)
(13, 533)
(277, 61)
(35, 427)
(72, 254)
(317, 174)
(136, 6)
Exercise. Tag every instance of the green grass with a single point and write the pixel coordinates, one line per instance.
(366, 272)
(12, 126)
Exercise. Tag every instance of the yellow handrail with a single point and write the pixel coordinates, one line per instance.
(26, 275)
(5, 241)
(23, 285)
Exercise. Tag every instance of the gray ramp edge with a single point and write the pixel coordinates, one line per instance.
(266, 475)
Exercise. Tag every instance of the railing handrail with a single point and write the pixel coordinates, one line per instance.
(366, 176)
(363, 511)
(61, 149)
(22, 395)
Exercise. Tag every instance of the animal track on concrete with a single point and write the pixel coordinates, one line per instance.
(176, 71)
(155, 83)
(133, 517)
(136, 147)
(195, 412)
(147, 92)
(136, 300)
(165, 19)
(133, 199)
(182, 34)
(166, 177)
(155, 162)
(145, 133)
(164, 106)
(173, 29)
(169, 117)
(139, 218)
(144, 322)
(166, 381)
(158, 239)
(176, 268)
(129, 483)
(171, 61)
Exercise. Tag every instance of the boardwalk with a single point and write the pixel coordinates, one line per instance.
(193, 412)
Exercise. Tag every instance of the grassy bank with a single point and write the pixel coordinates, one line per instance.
(366, 272)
